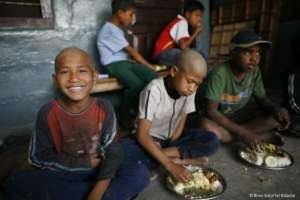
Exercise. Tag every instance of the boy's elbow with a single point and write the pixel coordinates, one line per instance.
(130, 50)
(141, 138)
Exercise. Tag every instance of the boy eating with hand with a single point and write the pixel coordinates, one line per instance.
(163, 109)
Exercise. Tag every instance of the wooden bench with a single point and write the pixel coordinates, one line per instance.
(112, 84)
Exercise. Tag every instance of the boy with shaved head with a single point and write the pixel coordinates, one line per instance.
(163, 108)
(74, 145)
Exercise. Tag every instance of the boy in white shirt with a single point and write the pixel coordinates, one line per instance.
(176, 36)
(163, 108)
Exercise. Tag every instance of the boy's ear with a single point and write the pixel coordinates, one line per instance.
(173, 71)
(187, 14)
(119, 12)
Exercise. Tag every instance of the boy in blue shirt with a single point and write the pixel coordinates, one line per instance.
(115, 50)
(73, 144)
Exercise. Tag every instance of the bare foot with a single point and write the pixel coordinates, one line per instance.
(202, 161)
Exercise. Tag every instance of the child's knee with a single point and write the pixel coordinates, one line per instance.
(211, 126)
(204, 143)
(136, 87)
(213, 142)
(141, 176)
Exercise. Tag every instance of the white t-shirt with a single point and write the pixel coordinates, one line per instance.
(163, 111)
(180, 30)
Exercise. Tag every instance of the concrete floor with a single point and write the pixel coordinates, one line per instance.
(243, 181)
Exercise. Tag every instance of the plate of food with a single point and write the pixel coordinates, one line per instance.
(267, 156)
(206, 184)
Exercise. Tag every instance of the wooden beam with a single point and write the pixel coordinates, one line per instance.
(105, 85)
(112, 84)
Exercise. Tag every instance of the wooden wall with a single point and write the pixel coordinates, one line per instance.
(262, 16)
(151, 17)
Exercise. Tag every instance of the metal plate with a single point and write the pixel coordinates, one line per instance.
(263, 166)
(204, 196)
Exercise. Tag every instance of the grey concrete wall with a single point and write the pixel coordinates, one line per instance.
(27, 56)
(26, 62)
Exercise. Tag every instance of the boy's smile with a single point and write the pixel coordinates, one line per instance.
(74, 77)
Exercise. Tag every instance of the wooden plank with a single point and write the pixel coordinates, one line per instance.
(112, 84)
(105, 85)
(26, 22)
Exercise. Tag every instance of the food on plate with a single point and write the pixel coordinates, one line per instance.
(268, 155)
(204, 182)
(275, 161)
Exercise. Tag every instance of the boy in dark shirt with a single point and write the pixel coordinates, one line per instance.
(74, 143)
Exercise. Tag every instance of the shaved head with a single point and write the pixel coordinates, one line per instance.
(71, 51)
(191, 61)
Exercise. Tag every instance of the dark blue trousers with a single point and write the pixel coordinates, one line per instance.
(129, 181)
(193, 143)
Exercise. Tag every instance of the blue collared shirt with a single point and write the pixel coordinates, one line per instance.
(111, 43)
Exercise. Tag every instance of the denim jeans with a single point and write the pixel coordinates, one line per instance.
(129, 181)
(192, 144)
(168, 57)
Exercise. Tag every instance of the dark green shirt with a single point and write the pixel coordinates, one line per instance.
(232, 94)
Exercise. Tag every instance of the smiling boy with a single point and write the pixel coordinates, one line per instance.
(74, 144)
